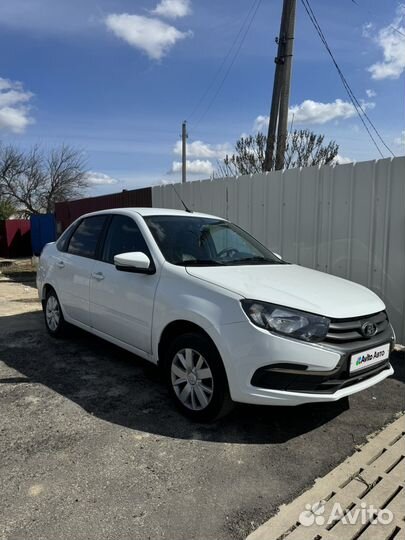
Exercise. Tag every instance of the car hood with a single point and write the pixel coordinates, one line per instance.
(294, 286)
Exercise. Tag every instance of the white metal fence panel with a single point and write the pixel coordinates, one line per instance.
(348, 220)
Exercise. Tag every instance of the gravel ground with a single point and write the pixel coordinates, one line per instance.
(92, 448)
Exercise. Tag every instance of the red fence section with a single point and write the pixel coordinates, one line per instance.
(67, 212)
(15, 238)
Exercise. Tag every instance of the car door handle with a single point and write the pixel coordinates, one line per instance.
(60, 264)
(97, 275)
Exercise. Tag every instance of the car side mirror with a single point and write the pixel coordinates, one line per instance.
(135, 261)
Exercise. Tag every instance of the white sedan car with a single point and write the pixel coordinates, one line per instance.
(225, 318)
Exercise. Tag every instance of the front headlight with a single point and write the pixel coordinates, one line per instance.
(287, 321)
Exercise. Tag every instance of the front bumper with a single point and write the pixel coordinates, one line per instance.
(265, 368)
(295, 378)
(260, 396)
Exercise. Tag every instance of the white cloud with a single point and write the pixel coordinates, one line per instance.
(367, 29)
(392, 43)
(261, 123)
(173, 8)
(100, 179)
(314, 112)
(197, 166)
(14, 111)
(152, 36)
(202, 153)
(342, 160)
(400, 141)
(199, 149)
(370, 93)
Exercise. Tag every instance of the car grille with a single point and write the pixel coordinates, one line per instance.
(348, 330)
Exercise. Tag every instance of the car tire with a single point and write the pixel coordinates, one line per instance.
(196, 378)
(54, 320)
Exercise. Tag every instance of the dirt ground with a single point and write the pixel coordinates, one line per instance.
(91, 447)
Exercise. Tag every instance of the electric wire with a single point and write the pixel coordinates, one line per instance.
(250, 19)
(355, 102)
(358, 107)
(390, 25)
(397, 30)
(223, 63)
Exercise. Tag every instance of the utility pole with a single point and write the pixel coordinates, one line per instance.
(184, 152)
(275, 102)
(278, 120)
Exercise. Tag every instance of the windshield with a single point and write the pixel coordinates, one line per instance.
(201, 241)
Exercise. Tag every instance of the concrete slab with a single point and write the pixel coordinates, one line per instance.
(361, 499)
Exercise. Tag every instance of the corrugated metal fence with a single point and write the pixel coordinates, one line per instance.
(348, 220)
(66, 212)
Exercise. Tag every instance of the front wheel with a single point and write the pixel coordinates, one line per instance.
(196, 378)
(54, 321)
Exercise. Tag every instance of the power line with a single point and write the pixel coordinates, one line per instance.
(355, 102)
(390, 25)
(256, 5)
(224, 60)
(396, 30)
(358, 107)
(252, 13)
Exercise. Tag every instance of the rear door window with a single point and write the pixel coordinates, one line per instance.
(63, 241)
(85, 239)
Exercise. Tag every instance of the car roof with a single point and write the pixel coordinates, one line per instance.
(152, 212)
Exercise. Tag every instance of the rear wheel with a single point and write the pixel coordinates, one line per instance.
(54, 321)
(197, 379)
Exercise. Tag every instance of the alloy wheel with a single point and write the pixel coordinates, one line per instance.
(192, 379)
(52, 313)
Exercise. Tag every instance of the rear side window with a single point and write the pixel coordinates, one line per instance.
(63, 240)
(123, 236)
(85, 238)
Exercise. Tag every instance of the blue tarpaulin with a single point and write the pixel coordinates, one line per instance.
(43, 230)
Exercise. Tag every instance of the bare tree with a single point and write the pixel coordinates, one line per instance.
(7, 209)
(304, 149)
(34, 181)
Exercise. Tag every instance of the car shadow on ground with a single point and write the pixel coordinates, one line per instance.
(123, 389)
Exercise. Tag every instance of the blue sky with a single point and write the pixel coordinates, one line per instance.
(117, 77)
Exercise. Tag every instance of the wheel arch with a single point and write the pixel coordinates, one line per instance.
(177, 328)
(45, 289)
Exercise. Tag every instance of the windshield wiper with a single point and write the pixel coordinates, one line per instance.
(258, 260)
